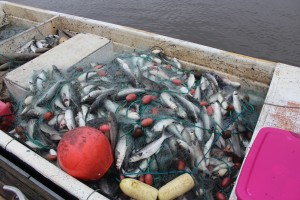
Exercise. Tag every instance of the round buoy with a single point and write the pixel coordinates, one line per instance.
(84, 153)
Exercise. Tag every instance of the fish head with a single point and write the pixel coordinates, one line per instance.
(136, 157)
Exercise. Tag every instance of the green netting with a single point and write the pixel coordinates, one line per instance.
(200, 119)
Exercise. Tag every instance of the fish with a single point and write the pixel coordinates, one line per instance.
(120, 151)
(199, 159)
(25, 47)
(81, 120)
(114, 130)
(50, 93)
(236, 102)
(222, 101)
(65, 94)
(172, 128)
(217, 116)
(40, 80)
(110, 106)
(59, 104)
(99, 100)
(127, 71)
(197, 95)
(199, 132)
(135, 172)
(191, 80)
(87, 75)
(28, 100)
(207, 148)
(56, 119)
(168, 100)
(33, 47)
(129, 114)
(31, 127)
(235, 144)
(54, 135)
(70, 120)
(123, 93)
(189, 106)
(159, 125)
(159, 73)
(177, 63)
(150, 149)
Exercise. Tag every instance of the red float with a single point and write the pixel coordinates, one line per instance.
(85, 153)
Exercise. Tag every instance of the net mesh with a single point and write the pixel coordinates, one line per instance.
(200, 124)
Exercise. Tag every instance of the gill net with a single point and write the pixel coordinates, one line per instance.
(208, 120)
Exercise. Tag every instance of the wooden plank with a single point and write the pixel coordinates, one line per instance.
(9, 176)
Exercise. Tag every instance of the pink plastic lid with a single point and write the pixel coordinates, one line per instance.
(272, 167)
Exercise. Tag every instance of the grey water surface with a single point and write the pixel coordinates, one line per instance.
(268, 29)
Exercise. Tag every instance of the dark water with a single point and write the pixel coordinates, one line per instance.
(268, 29)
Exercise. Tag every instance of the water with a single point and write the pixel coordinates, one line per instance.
(268, 29)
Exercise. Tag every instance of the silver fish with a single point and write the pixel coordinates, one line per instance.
(65, 94)
(25, 47)
(168, 100)
(59, 104)
(199, 132)
(120, 151)
(85, 76)
(114, 131)
(50, 93)
(123, 93)
(40, 81)
(81, 120)
(54, 135)
(173, 129)
(159, 73)
(128, 72)
(141, 168)
(222, 101)
(207, 148)
(198, 93)
(150, 149)
(236, 102)
(99, 100)
(30, 127)
(28, 100)
(70, 120)
(110, 106)
(159, 125)
(56, 119)
(189, 106)
(39, 44)
(199, 158)
(33, 47)
(130, 114)
(234, 139)
(217, 116)
(191, 80)
(177, 63)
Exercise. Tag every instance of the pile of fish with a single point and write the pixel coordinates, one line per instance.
(41, 46)
(161, 120)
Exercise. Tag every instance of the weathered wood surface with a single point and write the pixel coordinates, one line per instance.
(19, 179)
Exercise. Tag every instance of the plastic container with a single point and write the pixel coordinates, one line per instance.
(6, 116)
(271, 169)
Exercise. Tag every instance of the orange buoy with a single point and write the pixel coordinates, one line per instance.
(85, 153)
